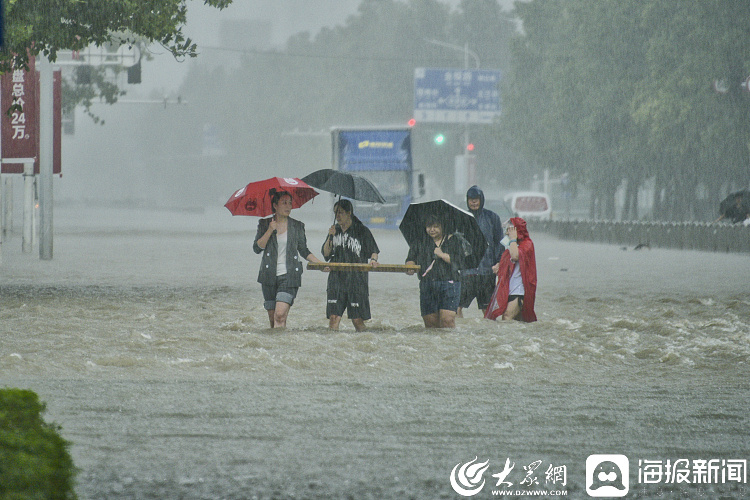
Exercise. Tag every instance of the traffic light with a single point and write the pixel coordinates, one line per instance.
(84, 74)
(470, 147)
(134, 73)
(439, 139)
(412, 122)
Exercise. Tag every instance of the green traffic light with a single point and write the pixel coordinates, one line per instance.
(439, 139)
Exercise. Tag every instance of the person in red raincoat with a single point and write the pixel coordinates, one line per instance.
(516, 277)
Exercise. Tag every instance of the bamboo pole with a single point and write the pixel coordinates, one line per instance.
(345, 266)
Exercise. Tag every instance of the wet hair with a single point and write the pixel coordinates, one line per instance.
(344, 205)
(433, 219)
(276, 196)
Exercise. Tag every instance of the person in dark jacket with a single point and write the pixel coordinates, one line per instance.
(479, 282)
(349, 241)
(283, 243)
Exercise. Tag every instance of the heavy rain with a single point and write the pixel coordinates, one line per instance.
(142, 325)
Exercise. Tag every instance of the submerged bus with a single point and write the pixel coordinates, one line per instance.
(382, 155)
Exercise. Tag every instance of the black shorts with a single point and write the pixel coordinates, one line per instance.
(479, 286)
(511, 298)
(348, 295)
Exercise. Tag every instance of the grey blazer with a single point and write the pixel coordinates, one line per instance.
(296, 252)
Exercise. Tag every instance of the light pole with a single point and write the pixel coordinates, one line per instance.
(467, 53)
(122, 57)
(464, 49)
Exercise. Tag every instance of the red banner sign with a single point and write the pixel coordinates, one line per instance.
(20, 130)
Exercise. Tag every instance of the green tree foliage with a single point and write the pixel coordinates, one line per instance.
(46, 27)
(34, 459)
(621, 91)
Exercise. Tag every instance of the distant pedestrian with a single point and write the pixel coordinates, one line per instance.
(736, 207)
(349, 241)
(479, 282)
(283, 243)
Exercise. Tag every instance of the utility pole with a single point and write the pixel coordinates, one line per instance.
(465, 49)
(46, 125)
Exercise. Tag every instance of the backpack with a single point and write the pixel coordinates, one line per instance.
(466, 255)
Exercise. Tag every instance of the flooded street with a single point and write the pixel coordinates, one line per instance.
(147, 339)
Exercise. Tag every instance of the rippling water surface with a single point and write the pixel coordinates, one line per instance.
(147, 338)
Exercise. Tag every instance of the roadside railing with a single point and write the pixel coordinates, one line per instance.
(682, 235)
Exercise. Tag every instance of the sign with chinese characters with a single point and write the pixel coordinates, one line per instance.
(692, 471)
(446, 95)
(20, 128)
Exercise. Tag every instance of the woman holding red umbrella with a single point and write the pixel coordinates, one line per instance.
(283, 243)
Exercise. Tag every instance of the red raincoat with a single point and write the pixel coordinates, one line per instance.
(527, 261)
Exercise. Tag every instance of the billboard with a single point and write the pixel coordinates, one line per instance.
(19, 130)
(386, 149)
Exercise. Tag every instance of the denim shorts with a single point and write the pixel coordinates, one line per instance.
(437, 295)
(278, 292)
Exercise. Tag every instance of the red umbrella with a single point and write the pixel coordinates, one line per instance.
(255, 198)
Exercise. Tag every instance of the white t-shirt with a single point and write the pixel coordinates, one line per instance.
(515, 285)
(281, 239)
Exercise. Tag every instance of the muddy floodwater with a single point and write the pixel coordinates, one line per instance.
(146, 337)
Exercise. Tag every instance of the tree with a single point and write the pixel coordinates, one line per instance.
(620, 92)
(46, 27)
(701, 135)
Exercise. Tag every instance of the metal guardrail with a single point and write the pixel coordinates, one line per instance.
(704, 236)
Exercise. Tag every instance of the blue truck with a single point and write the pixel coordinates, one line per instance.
(382, 155)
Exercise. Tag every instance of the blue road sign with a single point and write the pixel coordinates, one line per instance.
(449, 95)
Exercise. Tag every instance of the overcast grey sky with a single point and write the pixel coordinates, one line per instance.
(285, 18)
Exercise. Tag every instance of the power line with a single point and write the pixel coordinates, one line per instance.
(344, 57)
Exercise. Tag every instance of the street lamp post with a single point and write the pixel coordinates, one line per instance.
(467, 53)
(464, 49)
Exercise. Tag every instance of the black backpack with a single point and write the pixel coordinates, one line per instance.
(466, 258)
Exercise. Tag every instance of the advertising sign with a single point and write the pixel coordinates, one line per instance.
(374, 149)
(20, 130)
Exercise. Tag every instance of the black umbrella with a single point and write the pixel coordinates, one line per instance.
(454, 219)
(736, 206)
(344, 184)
